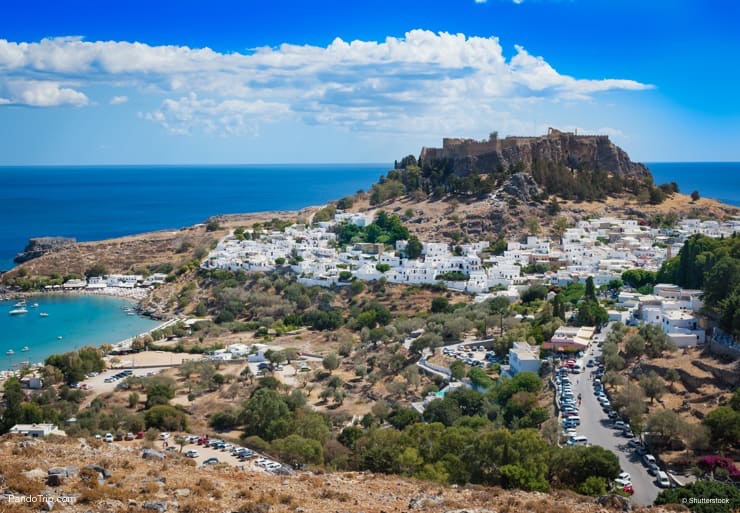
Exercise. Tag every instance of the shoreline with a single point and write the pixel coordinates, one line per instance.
(134, 294)
(117, 346)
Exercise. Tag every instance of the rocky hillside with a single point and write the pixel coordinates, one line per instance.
(562, 148)
(82, 475)
(39, 246)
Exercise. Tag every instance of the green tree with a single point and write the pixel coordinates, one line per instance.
(166, 418)
(263, 414)
(96, 270)
(724, 426)
(13, 397)
(590, 294)
(695, 196)
(572, 466)
(330, 362)
(653, 385)
(457, 370)
(440, 305)
(414, 247)
(667, 425)
(727, 497)
(298, 450)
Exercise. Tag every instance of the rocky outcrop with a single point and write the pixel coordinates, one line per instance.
(567, 148)
(39, 246)
(522, 186)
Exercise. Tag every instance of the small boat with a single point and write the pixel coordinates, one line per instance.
(43, 314)
(9, 352)
(18, 311)
(35, 305)
(59, 337)
(21, 303)
(25, 349)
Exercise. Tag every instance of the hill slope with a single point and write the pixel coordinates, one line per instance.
(137, 485)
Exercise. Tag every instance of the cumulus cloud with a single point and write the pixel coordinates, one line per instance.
(118, 100)
(41, 93)
(420, 80)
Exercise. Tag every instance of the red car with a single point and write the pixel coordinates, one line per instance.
(628, 488)
(203, 440)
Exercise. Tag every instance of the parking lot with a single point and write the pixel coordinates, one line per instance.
(224, 452)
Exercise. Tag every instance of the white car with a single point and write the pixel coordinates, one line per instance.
(164, 436)
(662, 480)
(109, 437)
(191, 454)
(624, 479)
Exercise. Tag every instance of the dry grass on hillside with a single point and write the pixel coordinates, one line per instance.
(135, 484)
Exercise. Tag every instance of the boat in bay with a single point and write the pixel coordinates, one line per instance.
(25, 349)
(19, 311)
(9, 352)
(43, 314)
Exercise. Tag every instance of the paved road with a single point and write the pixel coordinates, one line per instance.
(596, 426)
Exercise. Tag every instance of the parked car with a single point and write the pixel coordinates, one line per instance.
(623, 479)
(651, 464)
(628, 488)
(191, 453)
(577, 440)
(164, 435)
(635, 444)
(118, 437)
(210, 461)
(619, 424)
(662, 480)
(129, 436)
(108, 437)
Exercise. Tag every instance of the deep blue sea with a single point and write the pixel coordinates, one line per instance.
(718, 180)
(78, 319)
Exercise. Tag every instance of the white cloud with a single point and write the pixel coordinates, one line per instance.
(118, 100)
(422, 80)
(38, 93)
(232, 117)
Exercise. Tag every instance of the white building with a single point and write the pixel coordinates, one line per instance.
(523, 357)
(36, 430)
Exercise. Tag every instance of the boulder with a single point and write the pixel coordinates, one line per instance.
(155, 505)
(100, 470)
(615, 502)
(34, 474)
(151, 454)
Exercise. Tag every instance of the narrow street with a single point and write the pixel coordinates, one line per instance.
(596, 426)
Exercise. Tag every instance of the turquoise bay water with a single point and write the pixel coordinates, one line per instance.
(80, 320)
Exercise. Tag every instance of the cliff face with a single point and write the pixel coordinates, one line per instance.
(575, 151)
(39, 246)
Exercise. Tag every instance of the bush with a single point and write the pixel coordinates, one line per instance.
(166, 418)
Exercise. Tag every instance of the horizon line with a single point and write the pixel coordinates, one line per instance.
(194, 164)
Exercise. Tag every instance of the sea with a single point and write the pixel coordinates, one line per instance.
(717, 180)
(101, 202)
(70, 322)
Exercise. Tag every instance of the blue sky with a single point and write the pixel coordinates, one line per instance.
(89, 82)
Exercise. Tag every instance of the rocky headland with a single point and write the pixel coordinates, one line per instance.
(39, 246)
